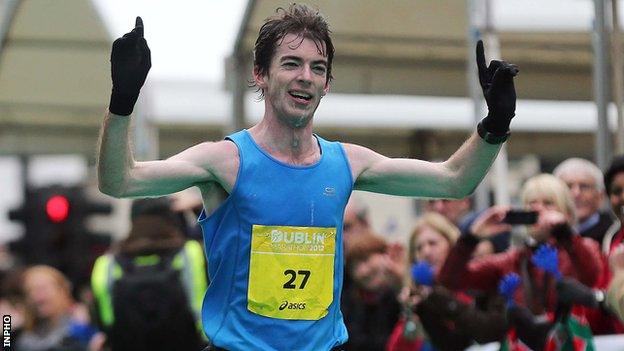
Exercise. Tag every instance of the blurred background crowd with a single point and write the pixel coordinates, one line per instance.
(550, 276)
(548, 279)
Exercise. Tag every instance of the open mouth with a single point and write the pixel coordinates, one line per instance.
(300, 96)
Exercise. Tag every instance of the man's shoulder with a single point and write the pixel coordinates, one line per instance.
(214, 151)
(358, 152)
(220, 158)
(226, 145)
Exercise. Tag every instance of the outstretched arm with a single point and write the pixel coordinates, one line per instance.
(119, 174)
(463, 171)
(457, 177)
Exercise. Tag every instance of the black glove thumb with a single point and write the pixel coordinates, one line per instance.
(130, 63)
(562, 232)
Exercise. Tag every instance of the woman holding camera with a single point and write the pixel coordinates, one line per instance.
(575, 257)
(433, 316)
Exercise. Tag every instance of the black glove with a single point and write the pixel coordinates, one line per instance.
(130, 62)
(530, 330)
(440, 302)
(570, 291)
(499, 92)
(562, 232)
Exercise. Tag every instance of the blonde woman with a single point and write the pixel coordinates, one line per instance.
(55, 321)
(577, 257)
(429, 308)
(431, 240)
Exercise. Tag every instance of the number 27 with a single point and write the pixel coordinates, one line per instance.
(293, 275)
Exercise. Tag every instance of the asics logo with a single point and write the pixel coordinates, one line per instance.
(292, 306)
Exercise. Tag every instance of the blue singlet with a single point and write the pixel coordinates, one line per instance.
(271, 193)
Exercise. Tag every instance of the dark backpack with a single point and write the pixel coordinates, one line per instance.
(151, 309)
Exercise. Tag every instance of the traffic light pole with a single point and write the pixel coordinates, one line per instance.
(54, 218)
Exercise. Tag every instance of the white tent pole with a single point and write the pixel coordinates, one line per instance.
(603, 136)
(618, 75)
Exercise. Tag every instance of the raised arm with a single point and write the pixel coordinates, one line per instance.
(119, 174)
(458, 176)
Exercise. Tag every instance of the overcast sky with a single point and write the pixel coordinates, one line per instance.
(189, 39)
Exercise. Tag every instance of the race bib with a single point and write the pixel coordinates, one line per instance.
(291, 271)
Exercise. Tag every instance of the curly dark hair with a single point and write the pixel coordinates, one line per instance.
(298, 19)
(616, 166)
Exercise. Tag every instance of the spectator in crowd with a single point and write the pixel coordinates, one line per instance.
(614, 240)
(577, 257)
(369, 304)
(355, 224)
(54, 321)
(615, 293)
(450, 321)
(431, 240)
(157, 263)
(460, 213)
(356, 221)
(614, 185)
(604, 322)
(585, 181)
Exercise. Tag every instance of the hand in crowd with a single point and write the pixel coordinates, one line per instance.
(490, 222)
(616, 259)
(550, 222)
(412, 296)
(395, 264)
(97, 343)
(545, 257)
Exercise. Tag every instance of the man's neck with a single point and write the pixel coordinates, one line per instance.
(290, 145)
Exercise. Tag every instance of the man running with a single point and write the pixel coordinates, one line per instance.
(275, 245)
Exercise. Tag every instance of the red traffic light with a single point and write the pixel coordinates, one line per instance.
(57, 208)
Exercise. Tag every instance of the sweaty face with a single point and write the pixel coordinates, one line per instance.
(296, 80)
(587, 197)
(431, 247)
(616, 196)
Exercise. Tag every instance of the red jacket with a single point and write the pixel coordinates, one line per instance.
(580, 259)
(601, 322)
